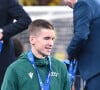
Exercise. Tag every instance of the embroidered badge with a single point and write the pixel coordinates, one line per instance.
(30, 75)
(54, 74)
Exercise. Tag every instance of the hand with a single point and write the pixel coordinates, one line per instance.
(73, 86)
(1, 35)
(70, 58)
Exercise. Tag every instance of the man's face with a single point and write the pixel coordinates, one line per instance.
(70, 3)
(43, 43)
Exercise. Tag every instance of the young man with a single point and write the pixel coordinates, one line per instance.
(36, 69)
(85, 43)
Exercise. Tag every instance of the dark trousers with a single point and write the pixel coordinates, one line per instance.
(93, 83)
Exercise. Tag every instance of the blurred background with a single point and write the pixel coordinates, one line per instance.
(58, 14)
(41, 2)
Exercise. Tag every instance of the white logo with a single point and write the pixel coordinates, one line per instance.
(55, 74)
(30, 75)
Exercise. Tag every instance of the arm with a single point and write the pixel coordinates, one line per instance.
(82, 17)
(15, 11)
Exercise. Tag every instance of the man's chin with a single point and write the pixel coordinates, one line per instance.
(47, 54)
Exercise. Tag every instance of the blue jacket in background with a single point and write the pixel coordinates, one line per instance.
(85, 44)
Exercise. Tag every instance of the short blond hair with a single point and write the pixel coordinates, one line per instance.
(39, 24)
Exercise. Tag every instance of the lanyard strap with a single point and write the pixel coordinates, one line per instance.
(72, 68)
(0, 46)
(44, 86)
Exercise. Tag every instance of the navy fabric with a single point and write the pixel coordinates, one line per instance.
(10, 10)
(85, 44)
(91, 85)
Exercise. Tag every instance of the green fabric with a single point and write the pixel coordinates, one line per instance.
(21, 75)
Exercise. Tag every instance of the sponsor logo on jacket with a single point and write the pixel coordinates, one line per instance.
(54, 74)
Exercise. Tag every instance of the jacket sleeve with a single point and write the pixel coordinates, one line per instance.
(67, 85)
(15, 12)
(10, 80)
(82, 16)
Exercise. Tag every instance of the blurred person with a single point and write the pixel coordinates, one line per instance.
(10, 11)
(85, 43)
(18, 47)
(37, 69)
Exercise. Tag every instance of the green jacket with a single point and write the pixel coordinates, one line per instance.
(21, 75)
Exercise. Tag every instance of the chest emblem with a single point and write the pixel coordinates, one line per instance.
(30, 74)
(54, 74)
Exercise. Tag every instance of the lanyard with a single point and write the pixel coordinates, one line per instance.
(44, 86)
(72, 68)
(0, 46)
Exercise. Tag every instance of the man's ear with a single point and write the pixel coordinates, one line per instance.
(32, 40)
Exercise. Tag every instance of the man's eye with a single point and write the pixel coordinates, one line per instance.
(46, 38)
